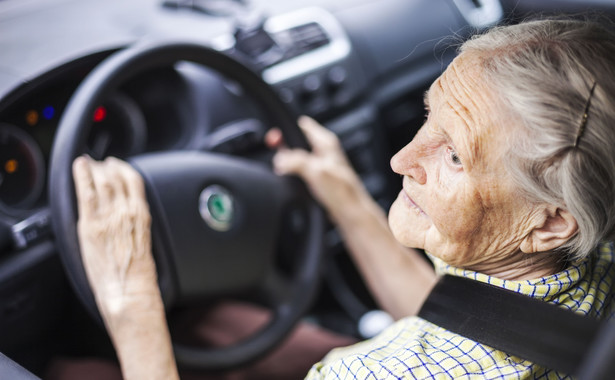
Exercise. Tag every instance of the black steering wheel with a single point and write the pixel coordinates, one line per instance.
(216, 218)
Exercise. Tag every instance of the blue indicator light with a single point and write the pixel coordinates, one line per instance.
(48, 112)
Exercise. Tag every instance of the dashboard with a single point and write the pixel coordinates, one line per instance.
(129, 121)
(360, 67)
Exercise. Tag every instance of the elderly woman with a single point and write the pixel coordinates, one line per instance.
(510, 181)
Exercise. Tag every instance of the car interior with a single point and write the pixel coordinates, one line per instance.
(185, 91)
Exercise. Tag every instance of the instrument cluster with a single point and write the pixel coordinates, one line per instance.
(27, 131)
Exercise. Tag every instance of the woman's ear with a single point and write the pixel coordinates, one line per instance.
(555, 229)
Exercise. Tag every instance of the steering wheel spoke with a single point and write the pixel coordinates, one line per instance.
(235, 136)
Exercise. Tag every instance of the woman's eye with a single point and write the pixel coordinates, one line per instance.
(453, 156)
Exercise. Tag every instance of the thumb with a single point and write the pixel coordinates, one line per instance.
(274, 139)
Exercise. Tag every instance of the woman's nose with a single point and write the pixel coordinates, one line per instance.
(406, 162)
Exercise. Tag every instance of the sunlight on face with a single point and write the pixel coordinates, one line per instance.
(458, 202)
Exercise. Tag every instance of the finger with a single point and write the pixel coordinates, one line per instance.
(102, 184)
(87, 201)
(318, 136)
(133, 181)
(274, 138)
(291, 161)
(115, 178)
(136, 202)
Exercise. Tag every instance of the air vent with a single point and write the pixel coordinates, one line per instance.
(480, 13)
(301, 39)
(310, 38)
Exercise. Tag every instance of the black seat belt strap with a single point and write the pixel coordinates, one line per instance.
(543, 333)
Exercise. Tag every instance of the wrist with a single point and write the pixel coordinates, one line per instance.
(359, 210)
(140, 334)
(130, 308)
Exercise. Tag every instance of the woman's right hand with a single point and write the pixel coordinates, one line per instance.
(114, 234)
(114, 238)
(326, 169)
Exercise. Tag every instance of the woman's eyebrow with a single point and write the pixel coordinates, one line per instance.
(426, 99)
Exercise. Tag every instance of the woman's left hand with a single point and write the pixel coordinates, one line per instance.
(325, 169)
(385, 264)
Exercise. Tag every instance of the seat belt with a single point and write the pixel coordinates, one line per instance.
(543, 333)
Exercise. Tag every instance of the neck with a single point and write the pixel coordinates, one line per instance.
(522, 266)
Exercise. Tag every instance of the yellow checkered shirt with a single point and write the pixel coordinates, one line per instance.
(413, 348)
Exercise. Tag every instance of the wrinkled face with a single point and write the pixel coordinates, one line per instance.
(458, 202)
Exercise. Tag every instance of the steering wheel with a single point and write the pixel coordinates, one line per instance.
(216, 218)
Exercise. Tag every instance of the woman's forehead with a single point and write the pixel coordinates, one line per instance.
(462, 84)
(462, 96)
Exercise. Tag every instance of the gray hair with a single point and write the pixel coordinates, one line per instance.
(544, 72)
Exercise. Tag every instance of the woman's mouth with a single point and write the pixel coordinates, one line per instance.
(411, 203)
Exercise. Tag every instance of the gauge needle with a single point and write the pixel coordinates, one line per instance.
(101, 144)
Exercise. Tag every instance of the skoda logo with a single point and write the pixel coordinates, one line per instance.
(216, 206)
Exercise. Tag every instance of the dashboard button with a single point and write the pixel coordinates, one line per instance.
(336, 76)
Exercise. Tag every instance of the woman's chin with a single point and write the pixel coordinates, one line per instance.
(407, 226)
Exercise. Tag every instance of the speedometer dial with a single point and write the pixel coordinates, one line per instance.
(21, 168)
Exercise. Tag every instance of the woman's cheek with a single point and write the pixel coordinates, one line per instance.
(457, 215)
(449, 176)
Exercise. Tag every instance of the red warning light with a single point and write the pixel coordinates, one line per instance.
(100, 114)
